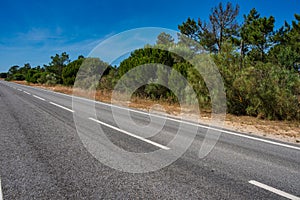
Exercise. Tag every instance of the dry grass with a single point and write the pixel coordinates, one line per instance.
(283, 130)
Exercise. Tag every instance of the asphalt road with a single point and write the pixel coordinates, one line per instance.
(44, 156)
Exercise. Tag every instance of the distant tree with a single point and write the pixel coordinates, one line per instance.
(51, 79)
(25, 68)
(14, 69)
(191, 29)
(57, 64)
(39, 68)
(222, 26)
(3, 75)
(256, 35)
(90, 73)
(145, 56)
(164, 39)
(70, 71)
(33, 74)
(176, 81)
(18, 77)
(286, 51)
(223, 22)
(80, 57)
(108, 79)
(31, 77)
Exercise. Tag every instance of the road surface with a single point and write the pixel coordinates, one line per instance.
(43, 157)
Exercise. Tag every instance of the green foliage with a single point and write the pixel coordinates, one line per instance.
(42, 77)
(190, 28)
(256, 34)
(30, 76)
(90, 73)
(108, 80)
(285, 56)
(18, 73)
(165, 39)
(265, 90)
(145, 56)
(286, 51)
(176, 81)
(152, 57)
(51, 79)
(270, 91)
(34, 74)
(11, 72)
(57, 65)
(228, 64)
(70, 71)
(18, 77)
(3, 75)
(222, 26)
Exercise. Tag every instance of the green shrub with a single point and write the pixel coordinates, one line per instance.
(269, 91)
(18, 77)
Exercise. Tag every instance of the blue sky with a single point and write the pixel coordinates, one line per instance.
(32, 31)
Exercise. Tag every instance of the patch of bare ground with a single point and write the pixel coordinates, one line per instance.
(288, 131)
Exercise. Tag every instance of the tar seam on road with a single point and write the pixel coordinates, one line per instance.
(39, 97)
(274, 190)
(172, 119)
(132, 135)
(61, 106)
(1, 195)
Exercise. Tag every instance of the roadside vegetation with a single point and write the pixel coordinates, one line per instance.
(260, 65)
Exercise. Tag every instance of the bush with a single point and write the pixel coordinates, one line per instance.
(269, 91)
(70, 71)
(259, 89)
(31, 76)
(3, 75)
(51, 79)
(42, 78)
(18, 77)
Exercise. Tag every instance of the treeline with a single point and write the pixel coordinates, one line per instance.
(259, 65)
(50, 74)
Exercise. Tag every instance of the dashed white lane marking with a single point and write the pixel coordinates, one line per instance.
(274, 190)
(19, 89)
(1, 195)
(39, 97)
(61, 106)
(177, 120)
(130, 134)
(180, 121)
(26, 92)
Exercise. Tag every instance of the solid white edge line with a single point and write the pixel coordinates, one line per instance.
(26, 92)
(257, 139)
(274, 190)
(130, 134)
(172, 119)
(1, 194)
(39, 97)
(61, 106)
